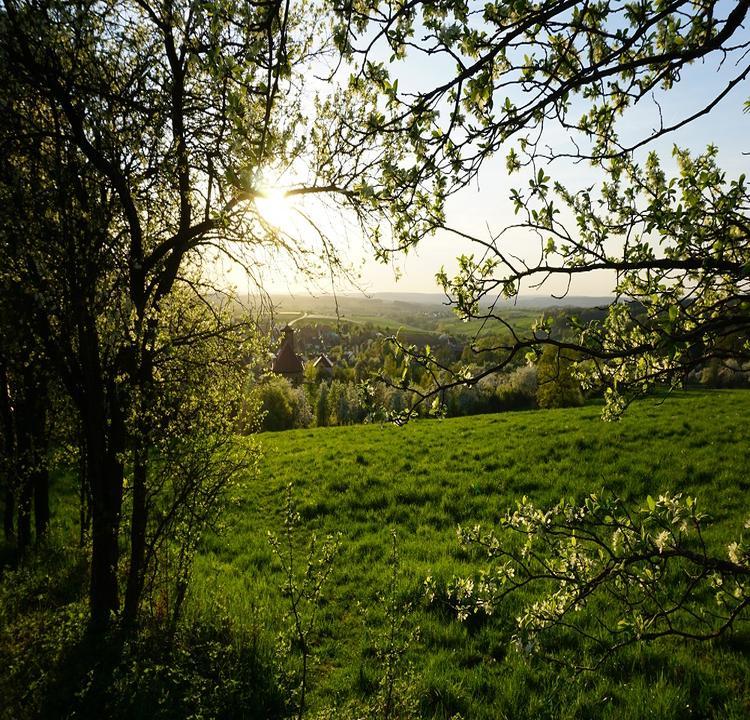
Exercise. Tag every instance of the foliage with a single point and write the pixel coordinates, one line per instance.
(515, 390)
(557, 384)
(140, 139)
(283, 406)
(197, 461)
(550, 81)
(723, 374)
(50, 575)
(364, 355)
(512, 70)
(681, 288)
(346, 404)
(395, 697)
(649, 566)
(519, 390)
(53, 667)
(322, 412)
(202, 672)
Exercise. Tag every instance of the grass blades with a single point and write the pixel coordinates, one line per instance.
(425, 479)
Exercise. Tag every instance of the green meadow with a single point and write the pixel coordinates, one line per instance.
(423, 480)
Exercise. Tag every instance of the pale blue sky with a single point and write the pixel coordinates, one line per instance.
(485, 203)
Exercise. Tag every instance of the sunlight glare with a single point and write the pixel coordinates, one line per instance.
(274, 206)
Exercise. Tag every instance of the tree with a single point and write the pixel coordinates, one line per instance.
(322, 411)
(153, 129)
(681, 291)
(197, 463)
(283, 406)
(556, 385)
(676, 246)
(512, 69)
(676, 243)
(140, 136)
(25, 409)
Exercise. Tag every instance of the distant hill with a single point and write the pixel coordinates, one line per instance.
(529, 301)
(431, 299)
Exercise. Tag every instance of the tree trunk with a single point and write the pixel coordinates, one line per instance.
(40, 482)
(103, 432)
(25, 496)
(138, 523)
(105, 477)
(105, 474)
(9, 451)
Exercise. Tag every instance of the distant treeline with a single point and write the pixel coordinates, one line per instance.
(364, 383)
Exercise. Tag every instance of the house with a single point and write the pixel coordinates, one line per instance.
(324, 365)
(287, 362)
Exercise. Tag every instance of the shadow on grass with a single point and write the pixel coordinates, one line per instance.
(202, 672)
(51, 666)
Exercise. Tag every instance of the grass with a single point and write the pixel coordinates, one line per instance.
(521, 319)
(365, 481)
(425, 479)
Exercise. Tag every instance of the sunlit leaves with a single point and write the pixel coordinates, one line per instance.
(604, 573)
(546, 56)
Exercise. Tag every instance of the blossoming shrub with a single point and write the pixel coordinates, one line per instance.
(605, 574)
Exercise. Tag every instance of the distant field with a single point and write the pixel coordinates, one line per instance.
(423, 480)
(430, 319)
(521, 319)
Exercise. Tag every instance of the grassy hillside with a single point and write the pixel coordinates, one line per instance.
(423, 480)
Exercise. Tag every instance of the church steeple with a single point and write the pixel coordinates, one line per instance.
(287, 362)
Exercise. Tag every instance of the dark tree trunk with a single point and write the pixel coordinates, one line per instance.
(9, 512)
(102, 428)
(105, 475)
(9, 459)
(138, 523)
(40, 482)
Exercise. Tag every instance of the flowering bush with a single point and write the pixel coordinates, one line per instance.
(609, 575)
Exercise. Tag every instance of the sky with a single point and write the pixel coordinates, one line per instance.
(484, 206)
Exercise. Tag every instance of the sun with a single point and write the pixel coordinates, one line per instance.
(275, 206)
